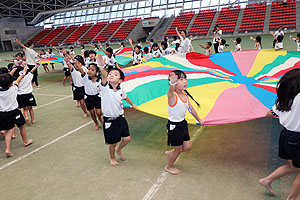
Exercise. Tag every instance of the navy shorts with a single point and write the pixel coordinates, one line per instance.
(8, 120)
(177, 133)
(115, 129)
(92, 101)
(67, 72)
(25, 100)
(289, 146)
(78, 92)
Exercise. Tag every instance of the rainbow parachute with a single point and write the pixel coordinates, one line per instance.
(230, 86)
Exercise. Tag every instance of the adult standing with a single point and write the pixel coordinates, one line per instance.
(30, 55)
(185, 43)
(276, 34)
(217, 33)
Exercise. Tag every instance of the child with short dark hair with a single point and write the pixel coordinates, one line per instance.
(156, 51)
(111, 61)
(148, 55)
(237, 43)
(137, 56)
(115, 126)
(207, 47)
(279, 43)
(257, 41)
(164, 46)
(297, 40)
(222, 43)
(49, 55)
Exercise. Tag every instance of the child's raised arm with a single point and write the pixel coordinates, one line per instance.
(202, 46)
(292, 38)
(173, 81)
(178, 32)
(103, 72)
(22, 45)
(130, 42)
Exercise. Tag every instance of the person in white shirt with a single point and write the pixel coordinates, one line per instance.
(287, 108)
(150, 42)
(237, 43)
(164, 48)
(115, 126)
(137, 57)
(45, 65)
(276, 34)
(111, 61)
(95, 47)
(221, 45)
(257, 40)
(49, 55)
(122, 45)
(185, 43)
(82, 50)
(18, 59)
(297, 40)
(72, 52)
(207, 47)
(178, 103)
(156, 51)
(30, 55)
(148, 55)
(139, 43)
(217, 33)
(175, 41)
(279, 43)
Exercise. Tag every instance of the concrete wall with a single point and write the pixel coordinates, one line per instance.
(137, 32)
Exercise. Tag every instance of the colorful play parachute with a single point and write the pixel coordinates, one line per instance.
(54, 59)
(123, 57)
(230, 86)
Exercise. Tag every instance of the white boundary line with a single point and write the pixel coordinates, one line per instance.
(47, 86)
(161, 179)
(51, 95)
(44, 146)
(52, 102)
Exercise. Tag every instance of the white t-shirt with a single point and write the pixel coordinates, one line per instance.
(156, 53)
(148, 56)
(91, 87)
(238, 47)
(279, 45)
(8, 99)
(137, 57)
(218, 35)
(178, 110)
(25, 86)
(185, 45)
(72, 53)
(111, 101)
(165, 52)
(88, 62)
(50, 54)
(277, 33)
(77, 78)
(291, 119)
(30, 56)
(110, 61)
(175, 42)
(298, 45)
(220, 48)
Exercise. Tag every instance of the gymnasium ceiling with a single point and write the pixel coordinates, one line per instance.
(28, 9)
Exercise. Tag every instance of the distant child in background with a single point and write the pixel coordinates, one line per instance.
(72, 52)
(122, 45)
(110, 60)
(148, 55)
(279, 43)
(257, 41)
(185, 43)
(178, 103)
(177, 49)
(45, 65)
(297, 40)
(82, 50)
(276, 34)
(287, 108)
(222, 43)
(137, 56)
(49, 55)
(18, 59)
(95, 47)
(91, 58)
(150, 42)
(164, 48)
(237, 43)
(66, 68)
(139, 43)
(86, 56)
(156, 51)
(166, 39)
(175, 41)
(115, 126)
(207, 47)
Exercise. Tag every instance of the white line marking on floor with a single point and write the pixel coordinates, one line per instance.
(161, 179)
(44, 146)
(51, 95)
(47, 86)
(52, 102)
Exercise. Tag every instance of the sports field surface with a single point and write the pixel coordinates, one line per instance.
(69, 160)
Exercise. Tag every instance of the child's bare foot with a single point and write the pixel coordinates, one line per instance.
(121, 155)
(77, 105)
(14, 136)
(38, 86)
(28, 142)
(96, 127)
(27, 121)
(85, 115)
(172, 170)
(114, 162)
(33, 121)
(8, 154)
(267, 185)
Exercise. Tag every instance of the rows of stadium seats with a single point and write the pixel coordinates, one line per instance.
(41, 34)
(50, 36)
(202, 22)
(181, 22)
(283, 13)
(254, 17)
(108, 31)
(63, 35)
(92, 32)
(227, 18)
(125, 29)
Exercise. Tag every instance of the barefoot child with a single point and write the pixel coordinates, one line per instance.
(257, 41)
(279, 43)
(115, 126)
(207, 47)
(297, 40)
(237, 43)
(287, 107)
(178, 135)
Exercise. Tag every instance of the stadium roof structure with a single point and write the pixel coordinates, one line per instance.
(29, 9)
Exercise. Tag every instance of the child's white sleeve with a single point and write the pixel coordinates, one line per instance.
(124, 95)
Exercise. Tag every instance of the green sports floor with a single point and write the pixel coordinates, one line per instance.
(69, 160)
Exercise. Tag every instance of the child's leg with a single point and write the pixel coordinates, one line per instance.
(52, 66)
(77, 103)
(25, 111)
(122, 144)
(83, 107)
(113, 161)
(70, 79)
(279, 172)
(100, 115)
(31, 112)
(296, 188)
(24, 137)
(13, 133)
(7, 143)
(171, 159)
(64, 81)
(93, 115)
(45, 68)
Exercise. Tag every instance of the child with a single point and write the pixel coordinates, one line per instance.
(150, 42)
(72, 52)
(221, 45)
(92, 90)
(139, 43)
(49, 55)
(287, 108)
(156, 51)
(177, 49)
(148, 55)
(25, 97)
(185, 42)
(297, 40)
(115, 126)
(237, 43)
(178, 135)
(122, 45)
(45, 65)
(78, 83)
(9, 112)
(276, 34)
(257, 41)
(95, 47)
(110, 62)
(164, 46)
(175, 41)
(279, 43)
(207, 47)
(66, 69)
(82, 50)
(18, 59)
(136, 55)
(91, 58)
